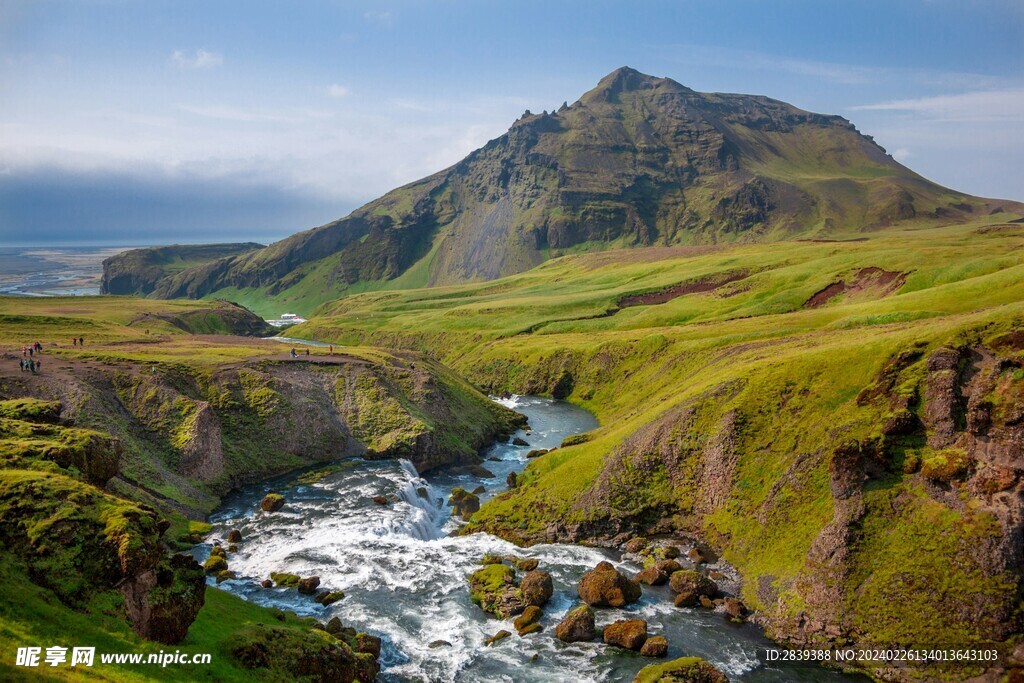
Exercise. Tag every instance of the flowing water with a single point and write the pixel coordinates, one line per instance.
(404, 576)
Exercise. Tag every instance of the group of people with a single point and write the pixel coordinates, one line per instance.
(28, 362)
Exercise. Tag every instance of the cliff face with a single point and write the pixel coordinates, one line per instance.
(190, 435)
(636, 161)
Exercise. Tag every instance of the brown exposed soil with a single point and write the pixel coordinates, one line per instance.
(661, 296)
(879, 282)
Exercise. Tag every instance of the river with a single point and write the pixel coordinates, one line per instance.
(405, 577)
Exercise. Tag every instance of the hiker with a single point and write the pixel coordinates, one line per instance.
(330, 350)
(307, 352)
(74, 342)
(294, 355)
(32, 366)
(39, 366)
(31, 352)
(21, 365)
(81, 341)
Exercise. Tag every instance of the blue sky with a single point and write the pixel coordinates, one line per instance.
(153, 122)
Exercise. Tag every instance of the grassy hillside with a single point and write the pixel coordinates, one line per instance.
(841, 419)
(113, 450)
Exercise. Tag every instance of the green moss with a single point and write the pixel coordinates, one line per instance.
(285, 579)
(682, 670)
(946, 465)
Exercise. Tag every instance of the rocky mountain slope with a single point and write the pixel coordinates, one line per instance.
(637, 161)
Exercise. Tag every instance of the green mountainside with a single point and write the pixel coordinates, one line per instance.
(637, 161)
(841, 420)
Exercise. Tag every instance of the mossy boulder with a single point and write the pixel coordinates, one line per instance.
(947, 465)
(215, 564)
(272, 502)
(234, 536)
(463, 503)
(655, 646)
(493, 588)
(330, 598)
(536, 587)
(605, 586)
(530, 616)
(285, 579)
(630, 634)
(308, 585)
(577, 626)
(682, 670)
(690, 586)
(290, 654)
(499, 636)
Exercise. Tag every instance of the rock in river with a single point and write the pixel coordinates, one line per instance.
(272, 502)
(536, 587)
(463, 502)
(628, 633)
(578, 626)
(690, 587)
(655, 646)
(605, 586)
(493, 588)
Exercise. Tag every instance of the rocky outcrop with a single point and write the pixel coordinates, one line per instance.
(655, 646)
(162, 602)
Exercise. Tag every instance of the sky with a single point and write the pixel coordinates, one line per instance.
(131, 122)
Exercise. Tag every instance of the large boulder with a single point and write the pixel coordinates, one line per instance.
(234, 536)
(577, 626)
(628, 633)
(272, 502)
(493, 588)
(536, 587)
(605, 586)
(682, 670)
(463, 503)
(690, 586)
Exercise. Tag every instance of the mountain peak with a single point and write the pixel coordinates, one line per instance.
(628, 79)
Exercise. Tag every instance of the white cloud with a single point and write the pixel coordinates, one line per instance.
(382, 17)
(902, 154)
(335, 90)
(200, 59)
(989, 106)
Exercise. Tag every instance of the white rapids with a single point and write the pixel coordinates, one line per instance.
(404, 575)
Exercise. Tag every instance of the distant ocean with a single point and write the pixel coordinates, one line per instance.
(53, 271)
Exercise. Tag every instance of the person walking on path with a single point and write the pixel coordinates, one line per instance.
(21, 364)
(32, 366)
(330, 350)
(307, 351)
(74, 342)
(81, 341)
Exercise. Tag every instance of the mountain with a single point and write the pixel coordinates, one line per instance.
(138, 270)
(637, 161)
